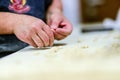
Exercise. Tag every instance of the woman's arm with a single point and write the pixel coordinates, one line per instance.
(56, 6)
(6, 21)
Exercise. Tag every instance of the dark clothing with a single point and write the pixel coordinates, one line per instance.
(36, 8)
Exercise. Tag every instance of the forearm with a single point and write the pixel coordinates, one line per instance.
(56, 6)
(6, 22)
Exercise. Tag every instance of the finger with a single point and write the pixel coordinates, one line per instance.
(58, 36)
(66, 24)
(41, 34)
(31, 42)
(37, 41)
(44, 37)
(28, 40)
(65, 29)
(50, 34)
(64, 32)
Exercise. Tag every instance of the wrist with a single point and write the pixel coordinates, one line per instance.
(6, 22)
(55, 7)
(54, 11)
(14, 21)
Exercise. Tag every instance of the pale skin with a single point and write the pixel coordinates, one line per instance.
(34, 31)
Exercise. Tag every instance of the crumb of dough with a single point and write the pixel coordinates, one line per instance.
(79, 41)
(116, 45)
(53, 51)
(85, 47)
(117, 37)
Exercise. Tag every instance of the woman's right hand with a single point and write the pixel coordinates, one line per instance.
(33, 31)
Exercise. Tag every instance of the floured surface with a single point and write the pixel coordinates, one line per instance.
(94, 56)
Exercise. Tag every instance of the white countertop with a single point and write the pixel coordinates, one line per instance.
(29, 63)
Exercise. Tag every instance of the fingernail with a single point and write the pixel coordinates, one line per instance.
(52, 29)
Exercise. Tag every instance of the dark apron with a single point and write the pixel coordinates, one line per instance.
(10, 43)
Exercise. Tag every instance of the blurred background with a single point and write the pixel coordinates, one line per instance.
(72, 10)
(90, 11)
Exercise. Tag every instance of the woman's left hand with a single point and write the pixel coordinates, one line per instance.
(59, 24)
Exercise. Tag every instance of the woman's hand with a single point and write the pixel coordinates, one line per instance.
(33, 31)
(60, 26)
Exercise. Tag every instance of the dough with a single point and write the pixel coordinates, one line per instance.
(93, 57)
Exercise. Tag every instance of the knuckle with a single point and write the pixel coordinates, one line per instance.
(37, 24)
(44, 26)
(34, 27)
